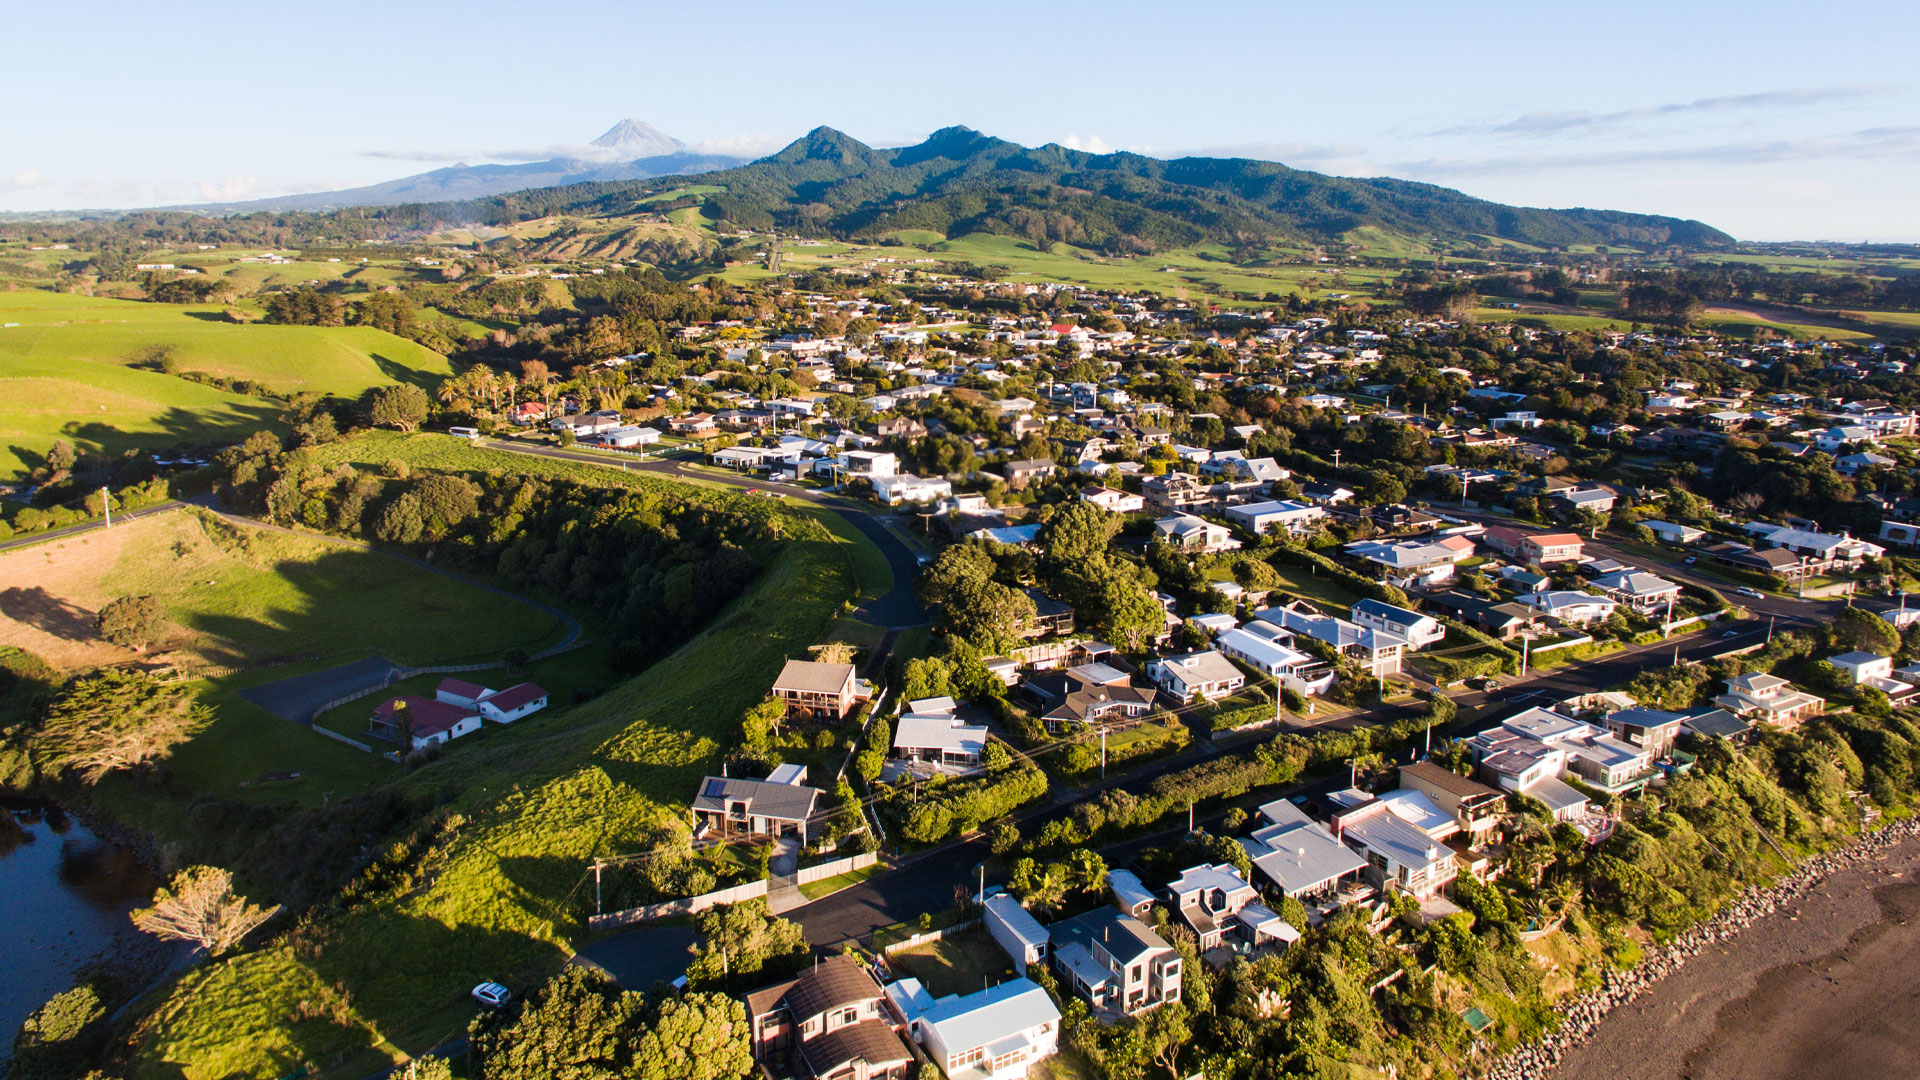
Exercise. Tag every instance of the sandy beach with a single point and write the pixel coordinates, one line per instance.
(1828, 985)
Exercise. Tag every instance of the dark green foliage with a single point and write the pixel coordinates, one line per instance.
(59, 1038)
(133, 622)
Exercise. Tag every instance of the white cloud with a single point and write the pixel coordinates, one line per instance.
(1871, 144)
(748, 146)
(26, 178)
(1548, 123)
(229, 190)
(1092, 144)
(414, 155)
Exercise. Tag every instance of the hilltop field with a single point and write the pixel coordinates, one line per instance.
(86, 370)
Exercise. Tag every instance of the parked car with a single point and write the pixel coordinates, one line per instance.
(1745, 591)
(492, 995)
(1691, 559)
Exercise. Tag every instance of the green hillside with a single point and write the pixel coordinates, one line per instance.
(84, 369)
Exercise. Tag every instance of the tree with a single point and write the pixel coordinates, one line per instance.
(1165, 1030)
(1077, 533)
(112, 720)
(696, 1037)
(742, 939)
(133, 622)
(1038, 884)
(55, 1042)
(200, 906)
(402, 407)
(401, 521)
(1860, 630)
(578, 1026)
(444, 501)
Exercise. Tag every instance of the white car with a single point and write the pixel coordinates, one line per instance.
(492, 995)
(1745, 591)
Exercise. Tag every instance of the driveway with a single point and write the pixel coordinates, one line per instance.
(299, 697)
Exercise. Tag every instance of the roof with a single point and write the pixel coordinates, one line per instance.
(1636, 583)
(987, 1016)
(808, 676)
(460, 688)
(425, 715)
(1018, 921)
(1209, 666)
(1412, 806)
(1196, 878)
(1128, 888)
(517, 695)
(1123, 936)
(1557, 795)
(1434, 775)
(1392, 836)
(1641, 716)
(834, 982)
(869, 1040)
(1716, 723)
(1855, 659)
(1398, 616)
(939, 733)
(787, 802)
(1555, 539)
(1301, 857)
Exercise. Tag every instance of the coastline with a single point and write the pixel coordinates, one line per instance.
(1710, 978)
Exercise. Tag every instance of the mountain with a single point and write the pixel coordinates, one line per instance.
(630, 150)
(960, 181)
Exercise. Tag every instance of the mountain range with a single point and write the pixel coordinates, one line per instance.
(630, 150)
(960, 181)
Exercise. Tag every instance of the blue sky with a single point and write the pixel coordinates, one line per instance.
(1769, 120)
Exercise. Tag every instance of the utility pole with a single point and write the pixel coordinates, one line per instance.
(1336, 460)
(1770, 619)
(597, 864)
(1526, 647)
(1103, 751)
(106, 504)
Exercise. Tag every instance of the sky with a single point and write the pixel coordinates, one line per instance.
(1768, 120)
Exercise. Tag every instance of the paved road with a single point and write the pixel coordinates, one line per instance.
(897, 609)
(88, 526)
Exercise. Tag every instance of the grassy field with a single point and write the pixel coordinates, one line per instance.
(498, 899)
(961, 964)
(67, 370)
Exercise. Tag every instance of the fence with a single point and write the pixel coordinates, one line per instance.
(808, 875)
(355, 743)
(1583, 639)
(667, 909)
(397, 674)
(925, 936)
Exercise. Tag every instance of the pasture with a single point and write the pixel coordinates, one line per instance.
(83, 369)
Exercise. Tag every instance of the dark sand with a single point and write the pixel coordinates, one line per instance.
(1827, 987)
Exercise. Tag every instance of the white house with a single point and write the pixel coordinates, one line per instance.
(998, 1033)
(907, 488)
(1572, 608)
(1113, 499)
(1190, 533)
(1016, 931)
(1191, 675)
(1419, 630)
(513, 703)
(1261, 517)
(1672, 533)
(1639, 590)
(1261, 646)
(929, 731)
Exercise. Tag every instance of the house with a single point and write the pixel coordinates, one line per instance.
(1821, 551)
(1474, 807)
(1869, 669)
(1572, 608)
(1115, 963)
(733, 806)
(1114, 500)
(1010, 535)
(865, 464)
(1378, 652)
(818, 691)
(1597, 499)
(1768, 699)
(929, 731)
(1189, 533)
(1504, 620)
(1296, 518)
(1324, 494)
(1129, 893)
(1300, 856)
(627, 437)
(1546, 549)
(1201, 674)
(1419, 630)
(419, 722)
(1531, 752)
(697, 425)
(1177, 493)
(1717, 724)
(1210, 901)
(996, 1033)
(1021, 473)
(1413, 563)
(1653, 730)
(515, 702)
(834, 1022)
(1669, 533)
(1400, 855)
(1639, 590)
(1015, 930)
(908, 488)
(1087, 694)
(1051, 618)
(1263, 646)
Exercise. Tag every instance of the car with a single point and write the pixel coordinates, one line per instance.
(1484, 682)
(1691, 559)
(1746, 591)
(492, 995)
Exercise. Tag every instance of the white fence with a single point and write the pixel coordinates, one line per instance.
(808, 874)
(336, 736)
(929, 935)
(751, 890)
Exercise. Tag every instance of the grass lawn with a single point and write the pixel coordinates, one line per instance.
(66, 371)
(814, 890)
(500, 899)
(1573, 654)
(1302, 583)
(960, 964)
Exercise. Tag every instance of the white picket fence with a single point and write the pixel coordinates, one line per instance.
(668, 909)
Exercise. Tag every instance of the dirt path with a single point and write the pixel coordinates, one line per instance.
(1826, 986)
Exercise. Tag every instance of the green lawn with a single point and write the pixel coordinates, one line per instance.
(499, 899)
(961, 964)
(66, 372)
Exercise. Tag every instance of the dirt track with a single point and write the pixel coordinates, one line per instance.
(1827, 986)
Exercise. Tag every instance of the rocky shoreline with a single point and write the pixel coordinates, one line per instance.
(1582, 1013)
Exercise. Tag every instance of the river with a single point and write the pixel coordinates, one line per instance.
(64, 898)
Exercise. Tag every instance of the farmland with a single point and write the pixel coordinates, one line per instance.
(83, 369)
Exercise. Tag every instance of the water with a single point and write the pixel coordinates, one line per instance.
(64, 898)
